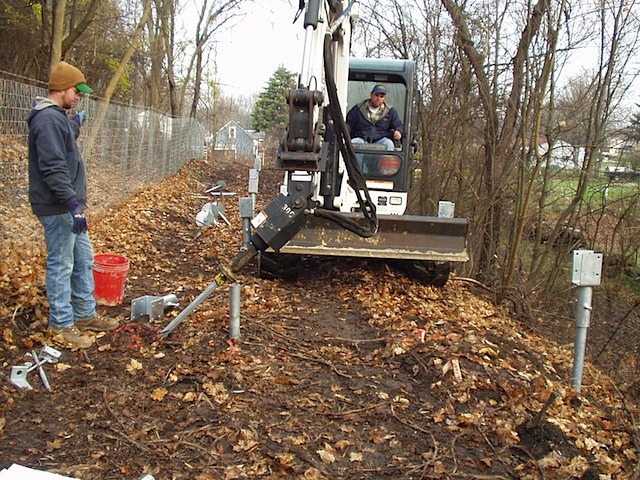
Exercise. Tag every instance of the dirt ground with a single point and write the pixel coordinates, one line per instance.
(352, 370)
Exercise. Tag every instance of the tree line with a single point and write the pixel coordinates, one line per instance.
(134, 50)
(495, 85)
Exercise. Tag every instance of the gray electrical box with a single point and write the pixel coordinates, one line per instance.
(587, 268)
(246, 207)
(253, 180)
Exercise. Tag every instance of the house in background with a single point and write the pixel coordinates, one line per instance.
(617, 147)
(237, 141)
(563, 155)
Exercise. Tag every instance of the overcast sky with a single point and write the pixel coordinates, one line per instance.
(251, 51)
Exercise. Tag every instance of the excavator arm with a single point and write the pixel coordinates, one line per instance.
(306, 151)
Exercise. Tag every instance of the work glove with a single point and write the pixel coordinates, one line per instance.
(79, 220)
(79, 117)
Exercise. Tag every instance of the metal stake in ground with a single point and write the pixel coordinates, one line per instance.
(43, 376)
(234, 311)
(246, 206)
(219, 280)
(226, 274)
(587, 267)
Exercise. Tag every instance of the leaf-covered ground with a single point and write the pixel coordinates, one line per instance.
(353, 370)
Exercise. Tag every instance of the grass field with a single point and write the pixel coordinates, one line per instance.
(565, 185)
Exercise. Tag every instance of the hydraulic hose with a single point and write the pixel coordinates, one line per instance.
(356, 179)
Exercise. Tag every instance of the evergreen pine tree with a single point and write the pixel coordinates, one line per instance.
(271, 108)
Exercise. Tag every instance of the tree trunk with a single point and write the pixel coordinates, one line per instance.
(111, 87)
(57, 32)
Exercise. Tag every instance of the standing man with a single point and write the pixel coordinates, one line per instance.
(58, 196)
(373, 121)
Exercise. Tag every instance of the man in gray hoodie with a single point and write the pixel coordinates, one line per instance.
(58, 197)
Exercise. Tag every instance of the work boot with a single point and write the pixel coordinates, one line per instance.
(97, 324)
(71, 337)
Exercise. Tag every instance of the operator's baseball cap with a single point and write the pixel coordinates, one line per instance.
(379, 89)
(65, 76)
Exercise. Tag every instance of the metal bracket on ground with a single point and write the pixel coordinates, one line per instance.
(19, 372)
(210, 213)
(19, 376)
(152, 306)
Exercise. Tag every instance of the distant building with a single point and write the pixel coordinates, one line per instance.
(154, 122)
(562, 155)
(237, 141)
(617, 146)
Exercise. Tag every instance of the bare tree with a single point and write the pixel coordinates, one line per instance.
(60, 43)
(157, 52)
(213, 15)
(57, 32)
(488, 75)
(78, 28)
(162, 40)
(108, 93)
(618, 34)
(501, 119)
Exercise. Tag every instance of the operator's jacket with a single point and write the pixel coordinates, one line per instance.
(56, 169)
(361, 127)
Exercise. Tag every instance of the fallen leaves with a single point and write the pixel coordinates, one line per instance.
(327, 454)
(158, 394)
(216, 391)
(134, 366)
(246, 441)
(356, 457)
(352, 371)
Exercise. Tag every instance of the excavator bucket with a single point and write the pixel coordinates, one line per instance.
(404, 237)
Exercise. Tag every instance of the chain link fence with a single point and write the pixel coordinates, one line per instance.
(132, 148)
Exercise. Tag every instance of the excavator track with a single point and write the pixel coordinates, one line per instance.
(427, 272)
(277, 265)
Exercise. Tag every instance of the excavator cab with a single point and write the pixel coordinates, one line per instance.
(388, 174)
(424, 244)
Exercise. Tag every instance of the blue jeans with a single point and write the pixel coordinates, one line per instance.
(387, 142)
(69, 272)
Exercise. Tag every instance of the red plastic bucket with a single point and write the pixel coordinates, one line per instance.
(110, 278)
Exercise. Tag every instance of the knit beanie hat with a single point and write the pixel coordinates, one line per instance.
(65, 76)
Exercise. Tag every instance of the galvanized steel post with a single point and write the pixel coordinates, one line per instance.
(234, 311)
(246, 206)
(587, 268)
(583, 316)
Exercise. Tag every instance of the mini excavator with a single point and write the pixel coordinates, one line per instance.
(339, 198)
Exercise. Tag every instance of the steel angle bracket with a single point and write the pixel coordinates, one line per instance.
(19, 372)
(19, 376)
(152, 306)
(49, 354)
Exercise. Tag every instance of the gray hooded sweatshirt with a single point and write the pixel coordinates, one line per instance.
(56, 169)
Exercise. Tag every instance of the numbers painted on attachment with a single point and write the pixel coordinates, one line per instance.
(288, 211)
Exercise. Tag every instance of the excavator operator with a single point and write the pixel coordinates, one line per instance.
(373, 121)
